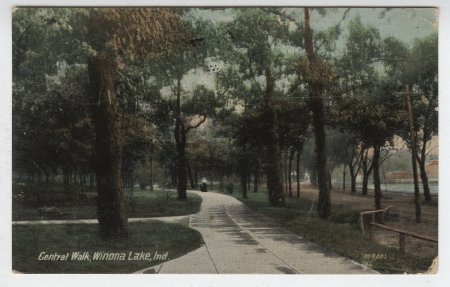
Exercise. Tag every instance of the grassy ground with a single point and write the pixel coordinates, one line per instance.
(142, 204)
(339, 234)
(30, 240)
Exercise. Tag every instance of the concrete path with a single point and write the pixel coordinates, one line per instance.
(177, 219)
(238, 240)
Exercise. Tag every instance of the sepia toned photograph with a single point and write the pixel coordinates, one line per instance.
(225, 140)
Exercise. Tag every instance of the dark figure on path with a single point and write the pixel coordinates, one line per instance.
(203, 186)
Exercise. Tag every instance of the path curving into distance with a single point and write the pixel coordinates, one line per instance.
(238, 240)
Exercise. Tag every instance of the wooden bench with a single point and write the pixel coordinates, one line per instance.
(402, 234)
(372, 214)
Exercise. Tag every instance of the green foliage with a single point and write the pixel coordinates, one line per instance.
(252, 40)
(136, 32)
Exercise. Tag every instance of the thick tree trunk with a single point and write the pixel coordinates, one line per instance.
(274, 169)
(151, 170)
(181, 169)
(329, 183)
(111, 209)
(353, 183)
(285, 170)
(366, 175)
(317, 108)
(423, 172)
(353, 175)
(256, 177)
(376, 176)
(298, 174)
(180, 140)
(324, 203)
(343, 178)
(424, 177)
(244, 171)
(244, 184)
(365, 183)
(291, 158)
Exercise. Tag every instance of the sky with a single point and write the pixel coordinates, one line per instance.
(405, 24)
(402, 23)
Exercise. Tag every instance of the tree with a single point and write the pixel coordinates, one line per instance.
(252, 50)
(417, 67)
(189, 108)
(127, 33)
(318, 75)
(365, 107)
(294, 125)
(51, 122)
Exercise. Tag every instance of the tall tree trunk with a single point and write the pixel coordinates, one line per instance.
(423, 172)
(343, 178)
(244, 184)
(366, 174)
(329, 183)
(353, 183)
(285, 169)
(274, 169)
(256, 177)
(424, 177)
(151, 169)
(291, 158)
(243, 170)
(298, 173)
(353, 176)
(180, 140)
(365, 183)
(376, 176)
(317, 108)
(111, 209)
(413, 155)
(191, 178)
(181, 168)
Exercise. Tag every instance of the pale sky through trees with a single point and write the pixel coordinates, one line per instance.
(405, 24)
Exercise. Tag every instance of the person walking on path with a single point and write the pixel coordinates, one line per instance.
(203, 185)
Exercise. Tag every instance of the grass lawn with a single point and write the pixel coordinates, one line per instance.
(339, 234)
(142, 204)
(29, 241)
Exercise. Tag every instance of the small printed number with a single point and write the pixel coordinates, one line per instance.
(375, 256)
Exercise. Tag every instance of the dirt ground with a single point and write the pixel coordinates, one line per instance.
(401, 215)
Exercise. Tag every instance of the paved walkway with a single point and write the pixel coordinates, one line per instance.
(177, 219)
(238, 240)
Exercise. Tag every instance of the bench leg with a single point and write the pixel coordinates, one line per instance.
(402, 243)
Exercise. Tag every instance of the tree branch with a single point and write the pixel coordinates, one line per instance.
(190, 127)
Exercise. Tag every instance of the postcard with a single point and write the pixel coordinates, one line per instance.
(225, 140)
